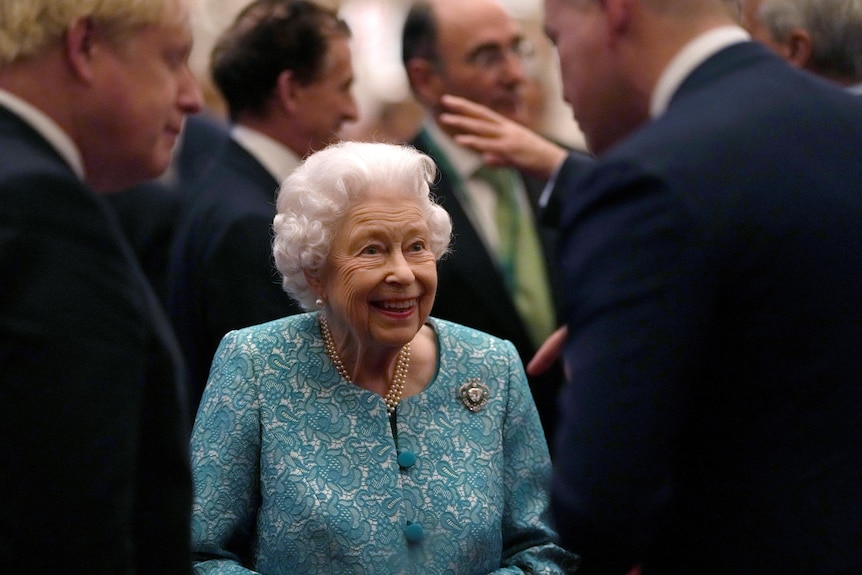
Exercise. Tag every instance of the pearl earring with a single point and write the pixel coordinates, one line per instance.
(319, 303)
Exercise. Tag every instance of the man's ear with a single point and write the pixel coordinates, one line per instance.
(799, 48)
(425, 81)
(286, 91)
(80, 45)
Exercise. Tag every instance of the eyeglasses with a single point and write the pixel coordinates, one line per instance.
(492, 56)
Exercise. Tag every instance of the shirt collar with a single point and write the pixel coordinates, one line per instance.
(275, 157)
(690, 57)
(47, 128)
(463, 160)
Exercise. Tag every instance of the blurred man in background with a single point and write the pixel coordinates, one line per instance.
(499, 277)
(284, 70)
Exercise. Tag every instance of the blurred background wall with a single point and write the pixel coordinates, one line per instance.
(387, 110)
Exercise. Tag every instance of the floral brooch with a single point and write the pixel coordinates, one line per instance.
(474, 394)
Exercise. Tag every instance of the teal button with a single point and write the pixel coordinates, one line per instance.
(406, 459)
(414, 533)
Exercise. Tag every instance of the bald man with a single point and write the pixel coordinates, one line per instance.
(500, 277)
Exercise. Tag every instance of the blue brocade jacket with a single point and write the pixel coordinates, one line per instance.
(297, 471)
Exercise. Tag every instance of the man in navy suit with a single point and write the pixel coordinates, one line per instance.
(94, 469)
(476, 50)
(285, 72)
(713, 265)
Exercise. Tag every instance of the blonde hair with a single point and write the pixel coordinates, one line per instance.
(28, 27)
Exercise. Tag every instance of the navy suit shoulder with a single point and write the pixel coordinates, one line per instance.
(203, 136)
(148, 215)
(713, 263)
(222, 274)
(91, 418)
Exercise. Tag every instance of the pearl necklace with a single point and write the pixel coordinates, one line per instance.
(396, 387)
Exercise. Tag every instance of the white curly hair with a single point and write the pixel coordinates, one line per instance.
(316, 196)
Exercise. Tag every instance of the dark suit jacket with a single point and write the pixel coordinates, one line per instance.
(222, 274)
(149, 211)
(713, 272)
(471, 290)
(94, 467)
(553, 197)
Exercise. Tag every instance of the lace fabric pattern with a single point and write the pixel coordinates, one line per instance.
(297, 470)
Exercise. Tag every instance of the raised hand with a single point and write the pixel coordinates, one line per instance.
(501, 141)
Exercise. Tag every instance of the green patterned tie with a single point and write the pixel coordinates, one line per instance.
(520, 256)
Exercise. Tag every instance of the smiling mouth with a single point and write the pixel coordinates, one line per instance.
(397, 306)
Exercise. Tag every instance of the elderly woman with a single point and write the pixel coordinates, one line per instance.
(365, 436)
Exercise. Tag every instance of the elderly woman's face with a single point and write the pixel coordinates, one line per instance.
(380, 277)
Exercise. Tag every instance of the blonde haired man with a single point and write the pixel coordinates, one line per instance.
(92, 430)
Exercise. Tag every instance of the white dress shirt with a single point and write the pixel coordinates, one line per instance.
(477, 196)
(275, 157)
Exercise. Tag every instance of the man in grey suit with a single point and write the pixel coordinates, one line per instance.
(284, 69)
(713, 265)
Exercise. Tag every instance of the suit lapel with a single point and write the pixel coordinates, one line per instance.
(243, 162)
